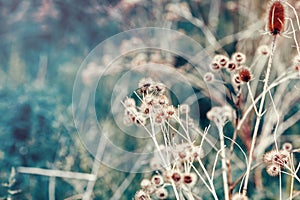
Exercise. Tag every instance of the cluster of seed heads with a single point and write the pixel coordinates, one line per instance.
(153, 187)
(221, 114)
(156, 186)
(234, 66)
(154, 104)
(277, 160)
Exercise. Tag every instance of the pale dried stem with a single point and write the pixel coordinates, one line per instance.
(224, 165)
(258, 118)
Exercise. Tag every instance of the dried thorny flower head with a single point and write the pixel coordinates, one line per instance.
(277, 160)
(276, 18)
(276, 157)
(244, 74)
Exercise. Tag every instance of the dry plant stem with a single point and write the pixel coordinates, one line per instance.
(274, 84)
(242, 176)
(203, 180)
(52, 188)
(291, 187)
(277, 121)
(96, 166)
(294, 35)
(56, 173)
(166, 166)
(126, 183)
(280, 185)
(258, 117)
(224, 165)
(252, 98)
(230, 154)
(210, 180)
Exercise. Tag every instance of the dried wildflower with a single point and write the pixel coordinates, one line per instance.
(239, 58)
(145, 108)
(149, 99)
(170, 110)
(144, 85)
(158, 88)
(218, 62)
(227, 113)
(279, 158)
(220, 115)
(263, 50)
(276, 18)
(157, 180)
(140, 120)
(245, 75)
(231, 66)
(222, 60)
(197, 152)
(129, 102)
(163, 100)
(273, 169)
(236, 80)
(239, 196)
(184, 108)
(268, 157)
(214, 66)
(176, 176)
(287, 147)
(131, 113)
(141, 195)
(190, 179)
(145, 183)
(209, 77)
(162, 193)
(151, 189)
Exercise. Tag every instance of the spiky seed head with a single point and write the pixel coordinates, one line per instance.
(245, 75)
(276, 18)
(273, 169)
